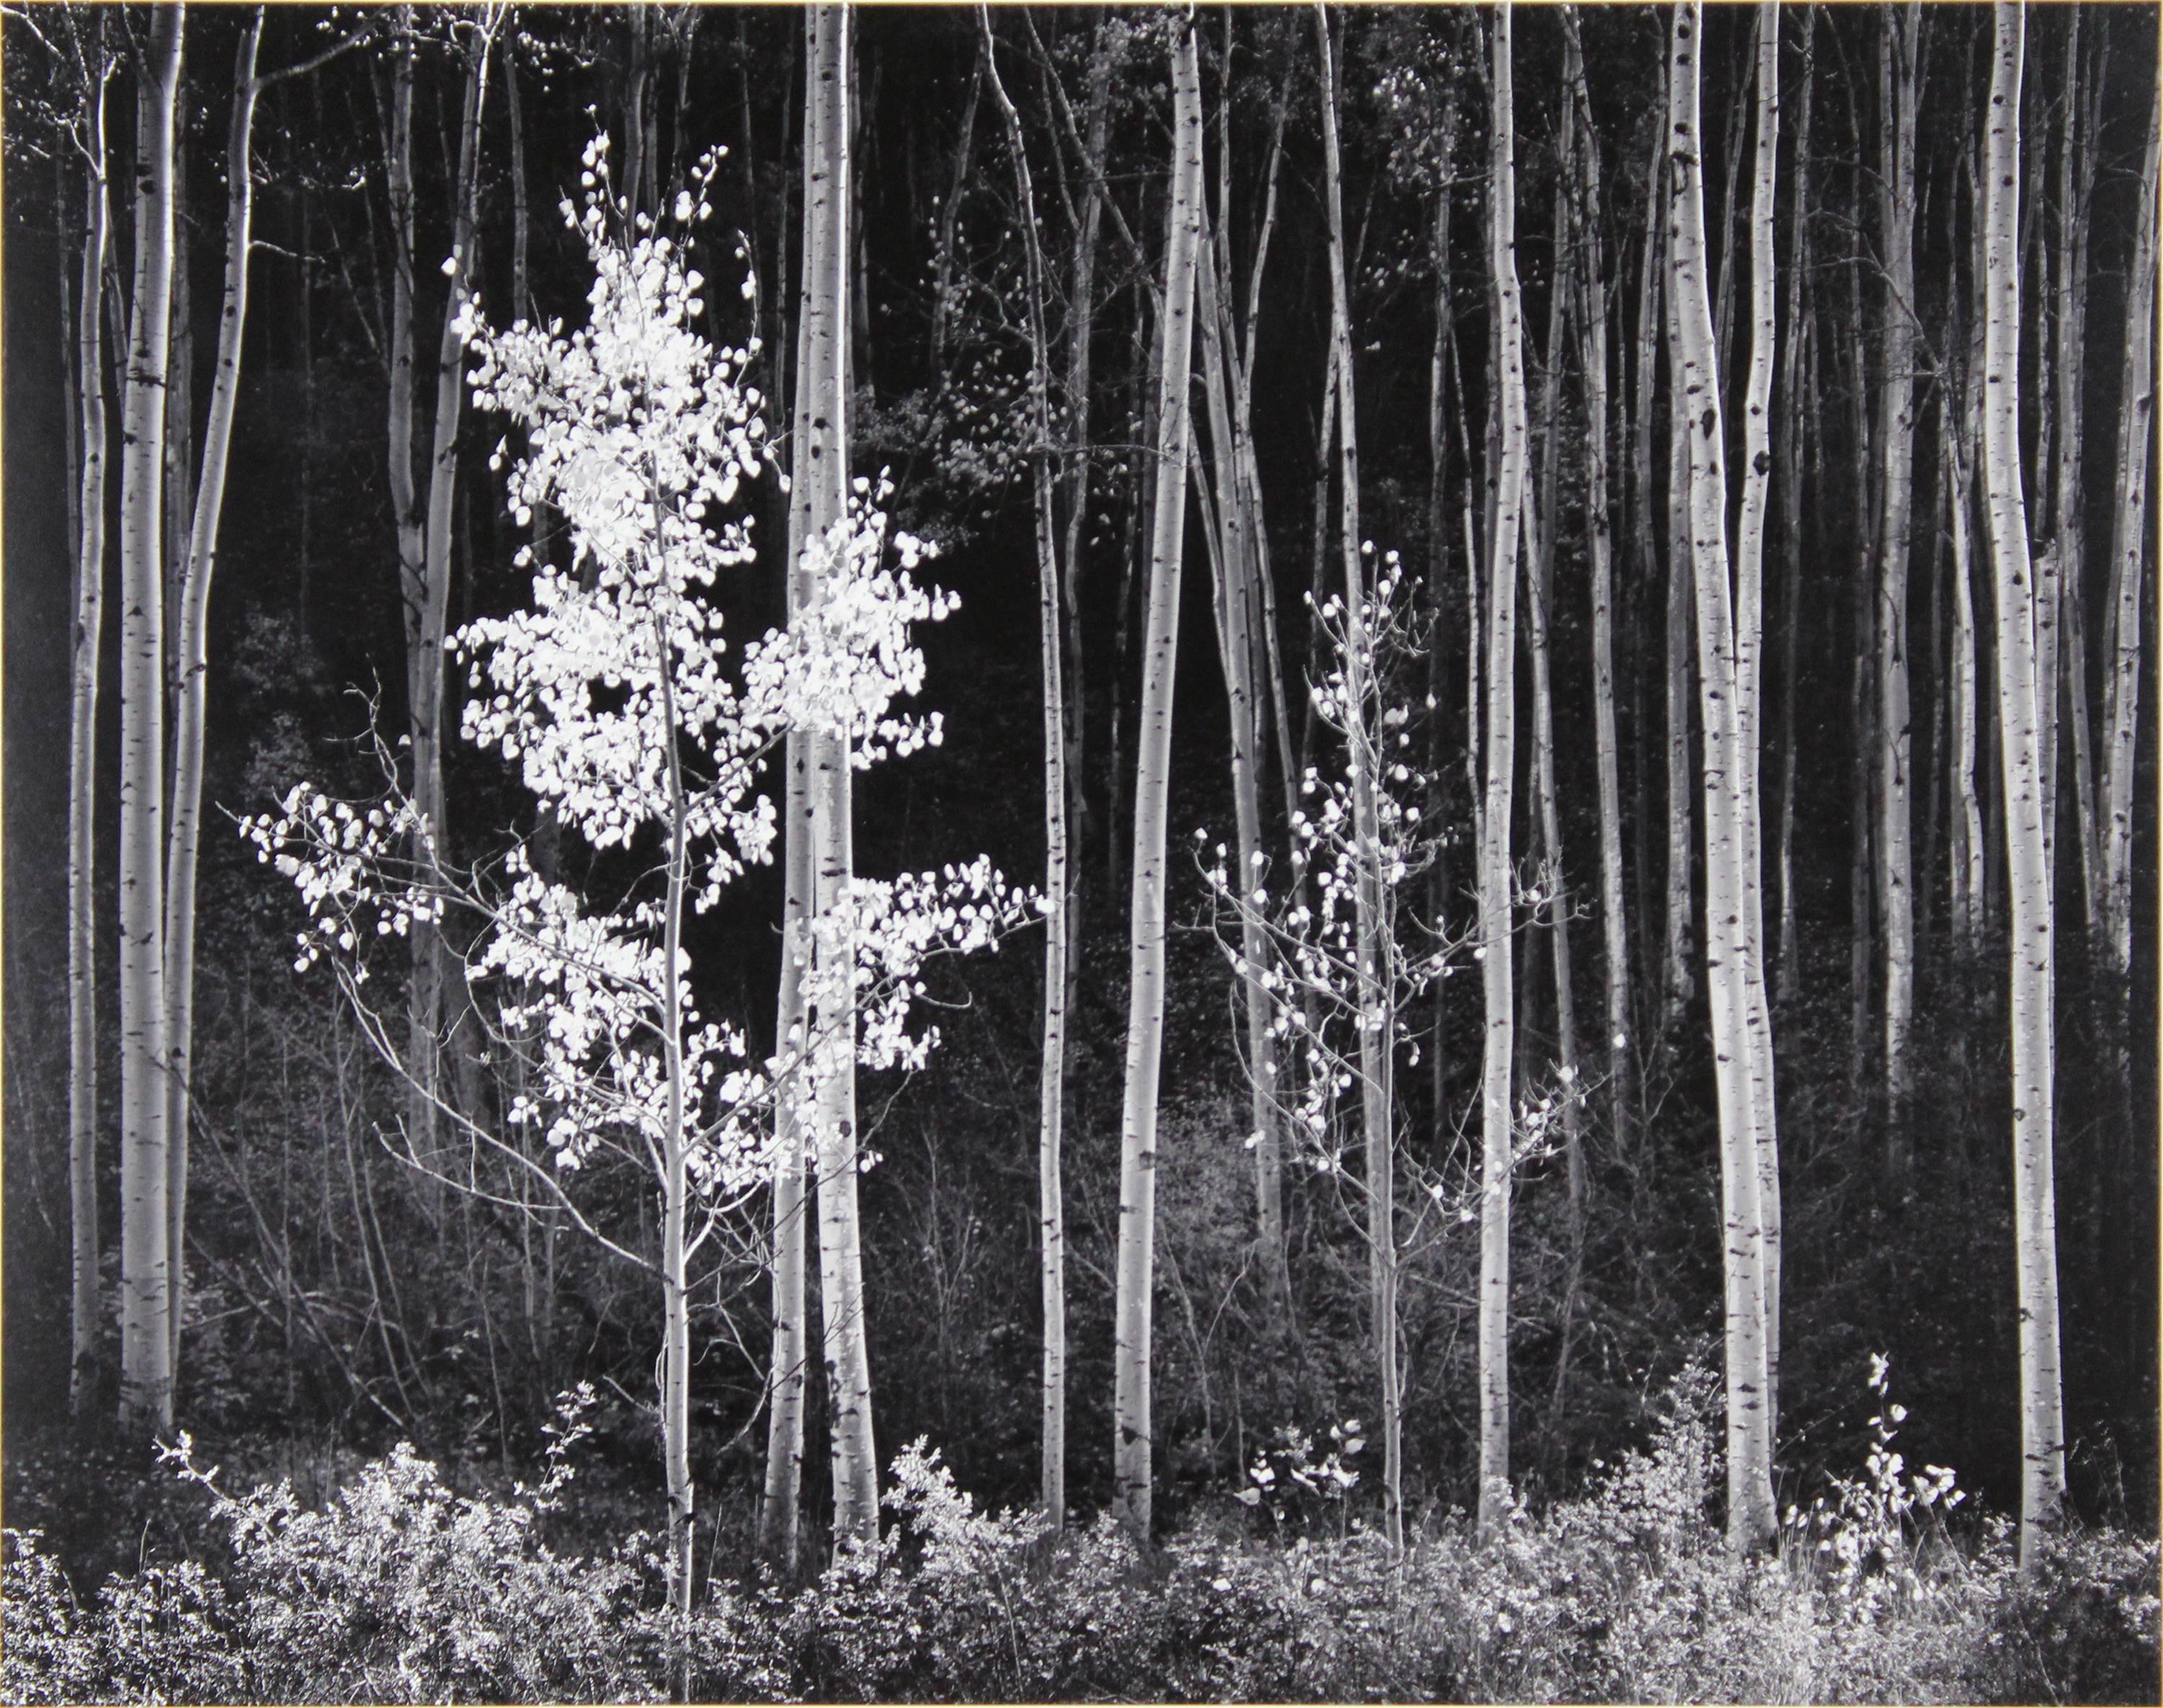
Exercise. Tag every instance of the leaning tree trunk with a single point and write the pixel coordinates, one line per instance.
(2019, 710)
(1496, 1099)
(823, 466)
(2128, 552)
(146, 1387)
(1051, 1097)
(193, 654)
(1898, 85)
(1729, 835)
(1131, 1454)
(89, 357)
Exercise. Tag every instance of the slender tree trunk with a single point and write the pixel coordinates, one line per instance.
(1797, 379)
(194, 654)
(1898, 85)
(795, 1121)
(146, 1388)
(1749, 683)
(1967, 842)
(1052, 1476)
(1377, 1029)
(89, 356)
(2021, 642)
(1728, 838)
(1497, 1099)
(2129, 542)
(1590, 287)
(822, 468)
(1132, 1444)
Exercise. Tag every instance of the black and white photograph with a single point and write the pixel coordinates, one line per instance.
(1075, 852)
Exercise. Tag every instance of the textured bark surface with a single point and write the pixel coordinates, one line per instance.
(146, 1392)
(2021, 643)
(1497, 1111)
(1135, 1277)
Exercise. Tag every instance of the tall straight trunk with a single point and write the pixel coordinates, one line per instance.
(1798, 378)
(1132, 1443)
(1680, 984)
(1898, 85)
(146, 1387)
(2080, 121)
(824, 328)
(193, 654)
(2020, 643)
(1729, 838)
(1749, 681)
(89, 357)
(1589, 288)
(1374, 955)
(2121, 657)
(1231, 558)
(1862, 813)
(1968, 886)
(179, 459)
(1051, 1101)
(1496, 1097)
(949, 218)
(794, 1122)
(1645, 548)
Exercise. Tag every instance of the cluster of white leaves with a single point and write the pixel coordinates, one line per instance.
(612, 694)
(1327, 989)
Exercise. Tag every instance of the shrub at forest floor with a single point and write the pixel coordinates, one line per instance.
(399, 1590)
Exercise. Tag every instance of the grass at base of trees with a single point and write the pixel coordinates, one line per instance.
(398, 1589)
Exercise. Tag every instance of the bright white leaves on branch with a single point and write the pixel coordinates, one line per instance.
(612, 691)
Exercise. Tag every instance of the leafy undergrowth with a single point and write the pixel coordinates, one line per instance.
(399, 1590)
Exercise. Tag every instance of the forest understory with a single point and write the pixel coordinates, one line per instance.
(1080, 853)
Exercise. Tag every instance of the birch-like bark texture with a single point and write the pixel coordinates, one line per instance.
(1798, 378)
(822, 465)
(675, 1296)
(1590, 295)
(1728, 837)
(191, 703)
(1371, 912)
(1497, 1094)
(2129, 543)
(1967, 887)
(1052, 1480)
(89, 357)
(1131, 1425)
(1749, 683)
(1898, 93)
(779, 1521)
(2020, 644)
(146, 1388)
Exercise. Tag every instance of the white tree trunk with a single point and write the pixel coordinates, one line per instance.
(1897, 91)
(822, 465)
(2136, 430)
(1728, 836)
(1131, 1450)
(1497, 1098)
(191, 705)
(1052, 1080)
(146, 1390)
(89, 357)
(2020, 645)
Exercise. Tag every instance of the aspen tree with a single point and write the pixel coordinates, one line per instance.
(1730, 839)
(2020, 645)
(1797, 375)
(88, 355)
(1897, 91)
(1956, 454)
(1378, 1113)
(1051, 1212)
(1749, 652)
(2129, 533)
(1497, 1098)
(822, 466)
(1131, 1422)
(146, 1390)
(192, 651)
(1590, 295)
